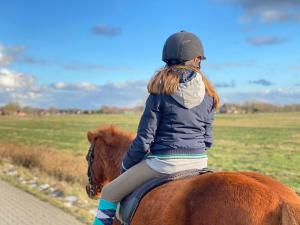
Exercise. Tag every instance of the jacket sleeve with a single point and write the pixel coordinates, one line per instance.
(208, 136)
(145, 134)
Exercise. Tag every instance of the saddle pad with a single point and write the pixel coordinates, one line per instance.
(130, 203)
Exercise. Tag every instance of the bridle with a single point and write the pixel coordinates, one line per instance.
(93, 190)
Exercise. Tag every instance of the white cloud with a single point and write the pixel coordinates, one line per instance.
(278, 96)
(1, 55)
(268, 11)
(11, 80)
(271, 15)
(230, 84)
(263, 82)
(230, 64)
(90, 96)
(265, 40)
(9, 54)
(22, 96)
(4, 60)
(105, 30)
(83, 86)
(70, 95)
(18, 87)
(21, 88)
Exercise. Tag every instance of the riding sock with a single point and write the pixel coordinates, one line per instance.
(105, 213)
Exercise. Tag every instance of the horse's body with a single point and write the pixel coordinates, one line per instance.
(221, 198)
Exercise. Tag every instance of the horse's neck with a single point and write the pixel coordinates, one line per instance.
(112, 167)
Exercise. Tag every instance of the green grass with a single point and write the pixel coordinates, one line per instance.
(67, 133)
(268, 143)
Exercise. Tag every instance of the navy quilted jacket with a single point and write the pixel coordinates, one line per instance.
(168, 126)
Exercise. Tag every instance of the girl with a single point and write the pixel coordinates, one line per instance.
(175, 129)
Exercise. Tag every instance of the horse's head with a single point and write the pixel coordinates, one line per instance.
(108, 145)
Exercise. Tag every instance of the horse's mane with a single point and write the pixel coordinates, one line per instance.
(110, 133)
(111, 145)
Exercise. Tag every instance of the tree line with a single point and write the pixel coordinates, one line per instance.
(256, 107)
(13, 108)
(248, 107)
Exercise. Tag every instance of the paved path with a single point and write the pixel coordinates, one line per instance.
(20, 208)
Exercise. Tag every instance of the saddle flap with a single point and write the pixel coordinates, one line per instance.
(130, 203)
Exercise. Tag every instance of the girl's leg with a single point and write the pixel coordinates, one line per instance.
(105, 213)
(123, 185)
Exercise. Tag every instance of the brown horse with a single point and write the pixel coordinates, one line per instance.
(221, 198)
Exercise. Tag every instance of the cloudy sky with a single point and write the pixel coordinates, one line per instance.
(91, 53)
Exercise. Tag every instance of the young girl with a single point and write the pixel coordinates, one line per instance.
(175, 129)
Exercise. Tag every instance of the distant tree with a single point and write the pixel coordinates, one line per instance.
(30, 110)
(105, 109)
(11, 108)
(53, 110)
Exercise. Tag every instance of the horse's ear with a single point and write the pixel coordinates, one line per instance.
(90, 136)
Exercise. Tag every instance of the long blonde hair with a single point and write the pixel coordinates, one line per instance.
(166, 81)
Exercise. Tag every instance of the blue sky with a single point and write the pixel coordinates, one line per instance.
(91, 53)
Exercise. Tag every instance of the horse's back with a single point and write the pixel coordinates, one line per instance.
(222, 198)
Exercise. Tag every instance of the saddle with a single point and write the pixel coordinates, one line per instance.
(130, 203)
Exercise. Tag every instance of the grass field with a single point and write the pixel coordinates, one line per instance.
(268, 143)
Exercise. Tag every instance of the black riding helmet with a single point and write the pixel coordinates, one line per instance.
(181, 47)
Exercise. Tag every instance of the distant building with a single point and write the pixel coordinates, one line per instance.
(44, 112)
(232, 109)
(223, 109)
(21, 113)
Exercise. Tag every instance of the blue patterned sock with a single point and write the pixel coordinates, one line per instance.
(106, 212)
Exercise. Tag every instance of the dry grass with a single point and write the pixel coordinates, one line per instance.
(64, 166)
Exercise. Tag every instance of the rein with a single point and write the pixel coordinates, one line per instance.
(92, 189)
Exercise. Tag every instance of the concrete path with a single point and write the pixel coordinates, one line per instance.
(20, 208)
